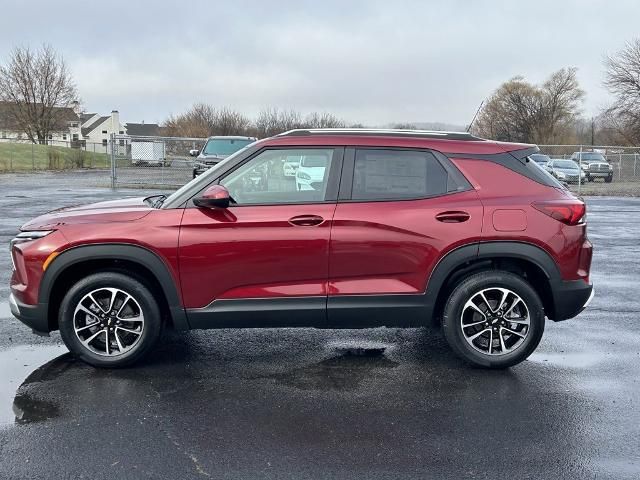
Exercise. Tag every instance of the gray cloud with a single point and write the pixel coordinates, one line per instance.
(367, 61)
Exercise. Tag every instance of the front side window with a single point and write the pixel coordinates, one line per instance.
(263, 180)
(397, 174)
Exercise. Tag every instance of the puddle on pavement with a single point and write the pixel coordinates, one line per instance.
(16, 364)
(343, 372)
(569, 359)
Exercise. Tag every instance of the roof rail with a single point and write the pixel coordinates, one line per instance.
(389, 132)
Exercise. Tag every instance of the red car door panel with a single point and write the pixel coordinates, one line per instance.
(392, 247)
(254, 252)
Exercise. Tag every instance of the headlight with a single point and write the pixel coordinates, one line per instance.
(585, 166)
(24, 237)
(561, 175)
(28, 236)
(610, 167)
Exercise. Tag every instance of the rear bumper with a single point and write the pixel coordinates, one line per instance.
(33, 316)
(570, 298)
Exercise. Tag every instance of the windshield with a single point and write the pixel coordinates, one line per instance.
(569, 164)
(539, 157)
(591, 157)
(224, 146)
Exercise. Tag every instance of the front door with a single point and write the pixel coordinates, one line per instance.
(264, 260)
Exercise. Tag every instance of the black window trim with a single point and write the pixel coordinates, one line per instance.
(331, 195)
(348, 169)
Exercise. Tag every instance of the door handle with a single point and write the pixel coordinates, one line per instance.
(453, 217)
(306, 220)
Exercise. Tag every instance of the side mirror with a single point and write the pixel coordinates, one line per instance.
(194, 152)
(216, 196)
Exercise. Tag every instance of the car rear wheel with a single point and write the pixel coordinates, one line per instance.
(109, 320)
(608, 179)
(493, 319)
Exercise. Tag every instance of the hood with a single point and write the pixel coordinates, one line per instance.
(124, 210)
(570, 171)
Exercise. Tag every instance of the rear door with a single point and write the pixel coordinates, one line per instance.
(399, 211)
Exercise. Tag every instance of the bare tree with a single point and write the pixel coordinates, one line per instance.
(272, 121)
(521, 112)
(322, 120)
(622, 78)
(204, 120)
(37, 87)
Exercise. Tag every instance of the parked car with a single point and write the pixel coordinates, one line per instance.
(540, 159)
(401, 229)
(312, 171)
(217, 149)
(290, 166)
(566, 171)
(594, 165)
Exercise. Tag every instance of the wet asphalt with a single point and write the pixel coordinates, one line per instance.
(374, 404)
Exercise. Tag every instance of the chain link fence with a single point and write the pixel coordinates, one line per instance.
(150, 162)
(606, 170)
(164, 162)
(20, 156)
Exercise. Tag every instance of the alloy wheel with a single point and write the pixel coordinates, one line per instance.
(108, 321)
(495, 321)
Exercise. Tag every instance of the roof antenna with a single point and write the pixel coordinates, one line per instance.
(475, 116)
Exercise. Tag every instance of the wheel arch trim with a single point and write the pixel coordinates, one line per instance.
(487, 250)
(117, 251)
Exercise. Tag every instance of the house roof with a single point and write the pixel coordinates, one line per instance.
(62, 115)
(84, 117)
(144, 129)
(86, 130)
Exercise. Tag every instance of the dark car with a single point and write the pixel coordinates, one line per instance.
(566, 171)
(595, 165)
(399, 229)
(217, 149)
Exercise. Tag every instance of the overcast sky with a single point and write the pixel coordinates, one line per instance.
(370, 61)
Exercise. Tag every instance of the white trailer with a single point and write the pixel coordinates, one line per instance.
(148, 152)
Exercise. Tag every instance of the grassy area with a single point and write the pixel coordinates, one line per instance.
(25, 156)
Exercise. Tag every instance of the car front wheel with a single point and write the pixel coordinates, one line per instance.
(109, 320)
(493, 319)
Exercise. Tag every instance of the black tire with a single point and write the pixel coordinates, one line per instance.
(151, 327)
(468, 288)
(608, 179)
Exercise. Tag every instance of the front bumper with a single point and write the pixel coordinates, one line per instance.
(570, 298)
(200, 168)
(33, 316)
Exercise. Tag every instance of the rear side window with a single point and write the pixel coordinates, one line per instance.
(398, 174)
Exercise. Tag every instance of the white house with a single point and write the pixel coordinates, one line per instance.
(97, 129)
(66, 128)
(90, 131)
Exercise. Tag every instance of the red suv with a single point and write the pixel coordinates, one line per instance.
(382, 228)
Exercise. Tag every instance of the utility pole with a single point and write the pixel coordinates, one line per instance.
(593, 135)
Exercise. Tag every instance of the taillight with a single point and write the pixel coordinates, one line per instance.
(569, 212)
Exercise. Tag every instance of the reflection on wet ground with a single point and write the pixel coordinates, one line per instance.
(16, 364)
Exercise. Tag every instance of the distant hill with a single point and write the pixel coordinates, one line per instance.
(436, 126)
